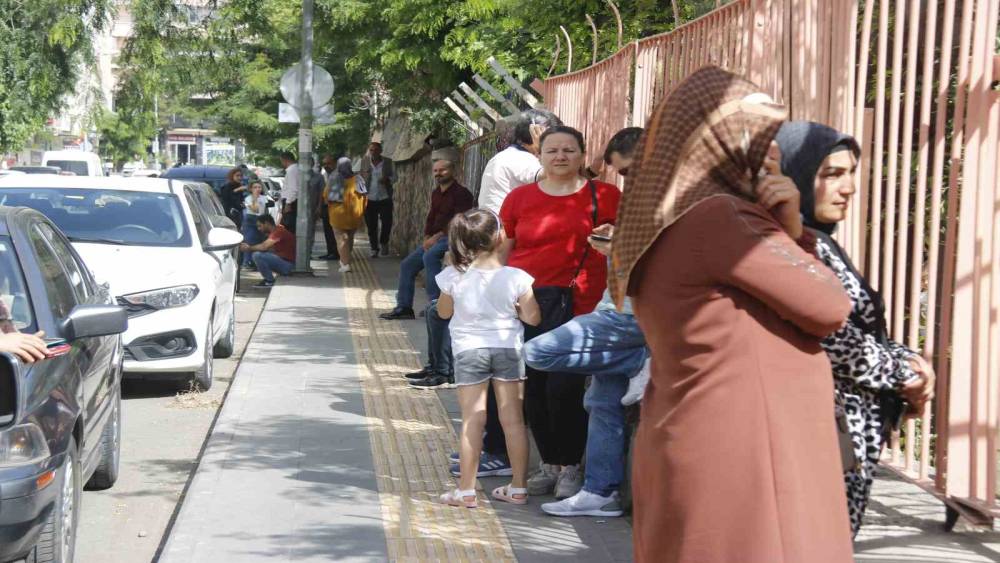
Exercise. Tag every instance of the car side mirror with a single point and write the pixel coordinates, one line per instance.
(86, 321)
(222, 239)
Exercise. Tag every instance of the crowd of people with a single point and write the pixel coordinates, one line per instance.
(767, 380)
(710, 288)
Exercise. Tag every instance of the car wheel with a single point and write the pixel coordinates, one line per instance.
(225, 347)
(57, 542)
(203, 377)
(106, 474)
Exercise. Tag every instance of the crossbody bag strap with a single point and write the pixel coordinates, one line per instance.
(593, 220)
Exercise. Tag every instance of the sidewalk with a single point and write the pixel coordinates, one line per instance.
(323, 453)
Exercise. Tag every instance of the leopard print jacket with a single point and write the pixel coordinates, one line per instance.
(862, 367)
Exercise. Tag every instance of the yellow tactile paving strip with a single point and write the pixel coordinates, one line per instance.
(411, 436)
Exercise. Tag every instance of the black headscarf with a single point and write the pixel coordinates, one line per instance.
(804, 147)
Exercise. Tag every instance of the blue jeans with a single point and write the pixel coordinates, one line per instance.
(268, 263)
(413, 264)
(439, 358)
(251, 235)
(609, 346)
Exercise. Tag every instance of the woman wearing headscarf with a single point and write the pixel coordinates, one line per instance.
(872, 374)
(736, 455)
(345, 196)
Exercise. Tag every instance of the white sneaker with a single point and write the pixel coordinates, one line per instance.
(585, 504)
(570, 481)
(544, 481)
(637, 385)
(344, 268)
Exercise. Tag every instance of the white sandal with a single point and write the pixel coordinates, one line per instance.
(506, 494)
(457, 497)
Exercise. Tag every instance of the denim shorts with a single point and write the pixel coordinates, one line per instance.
(479, 365)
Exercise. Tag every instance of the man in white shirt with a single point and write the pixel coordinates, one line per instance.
(518, 164)
(290, 191)
(379, 175)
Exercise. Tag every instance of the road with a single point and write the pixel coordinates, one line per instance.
(163, 433)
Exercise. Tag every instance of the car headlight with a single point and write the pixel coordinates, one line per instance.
(21, 445)
(166, 298)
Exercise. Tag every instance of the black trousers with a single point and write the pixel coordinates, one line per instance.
(331, 240)
(376, 212)
(289, 218)
(494, 441)
(553, 403)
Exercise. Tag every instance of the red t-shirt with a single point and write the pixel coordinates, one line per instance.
(284, 243)
(550, 234)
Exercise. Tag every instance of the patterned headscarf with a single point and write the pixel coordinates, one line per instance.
(338, 180)
(708, 138)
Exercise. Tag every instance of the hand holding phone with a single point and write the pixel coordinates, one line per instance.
(600, 238)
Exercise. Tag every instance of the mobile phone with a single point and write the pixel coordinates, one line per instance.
(57, 348)
(600, 238)
(51, 342)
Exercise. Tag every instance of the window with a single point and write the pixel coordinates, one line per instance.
(107, 216)
(60, 292)
(15, 306)
(76, 276)
(200, 224)
(78, 167)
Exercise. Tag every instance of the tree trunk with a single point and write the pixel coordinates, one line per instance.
(677, 14)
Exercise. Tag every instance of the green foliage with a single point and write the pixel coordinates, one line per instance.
(382, 54)
(121, 141)
(44, 45)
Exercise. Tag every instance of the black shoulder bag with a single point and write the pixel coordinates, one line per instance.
(556, 302)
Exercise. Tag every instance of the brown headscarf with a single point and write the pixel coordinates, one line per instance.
(708, 138)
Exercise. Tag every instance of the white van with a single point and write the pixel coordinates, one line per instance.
(78, 162)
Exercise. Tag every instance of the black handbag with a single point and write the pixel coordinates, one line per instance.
(556, 302)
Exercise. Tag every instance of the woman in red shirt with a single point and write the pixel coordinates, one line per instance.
(547, 224)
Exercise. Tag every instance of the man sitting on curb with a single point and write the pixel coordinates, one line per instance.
(275, 254)
(609, 346)
(448, 199)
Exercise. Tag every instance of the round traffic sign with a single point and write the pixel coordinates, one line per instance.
(322, 87)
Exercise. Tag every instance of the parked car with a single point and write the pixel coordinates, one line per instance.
(37, 169)
(8, 172)
(168, 259)
(214, 176)
(81, 163)
(60, 418)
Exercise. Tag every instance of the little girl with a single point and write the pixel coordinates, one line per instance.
(486, 302)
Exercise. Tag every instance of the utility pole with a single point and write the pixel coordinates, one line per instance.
(304, 219)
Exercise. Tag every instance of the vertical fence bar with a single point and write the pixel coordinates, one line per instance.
(917, 269)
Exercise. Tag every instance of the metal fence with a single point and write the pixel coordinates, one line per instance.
(915, 82)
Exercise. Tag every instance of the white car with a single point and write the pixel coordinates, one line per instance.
(165, 254)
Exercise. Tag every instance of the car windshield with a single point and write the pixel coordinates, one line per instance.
(107, 216)
(15, 307)
(77, 167)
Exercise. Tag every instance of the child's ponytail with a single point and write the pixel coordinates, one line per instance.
(470, 234)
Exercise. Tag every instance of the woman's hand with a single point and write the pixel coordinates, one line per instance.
(777, 193)
(606, 230)
(921, 390)
(28, 347)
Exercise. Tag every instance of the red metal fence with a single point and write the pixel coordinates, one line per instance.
(915, 82)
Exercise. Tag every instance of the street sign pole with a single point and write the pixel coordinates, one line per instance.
(304, 219)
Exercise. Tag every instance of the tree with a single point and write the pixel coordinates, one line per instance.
(44, 45)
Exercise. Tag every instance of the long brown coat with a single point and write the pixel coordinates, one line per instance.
(736, 455)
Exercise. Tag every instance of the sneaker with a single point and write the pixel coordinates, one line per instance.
(374, 253)
(264, 283)
(570, 481)
(344, 268)
(384, 252)
(453, 457)
(544, 481)
(424, 373)
(489, 466)
(637, 385)
(433, 382)
(586, 504)
(399, 313)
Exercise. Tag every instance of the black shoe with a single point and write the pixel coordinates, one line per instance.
(374, 253)
(424, 372)
(434, 382)
(399, 313)
(264, 283)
